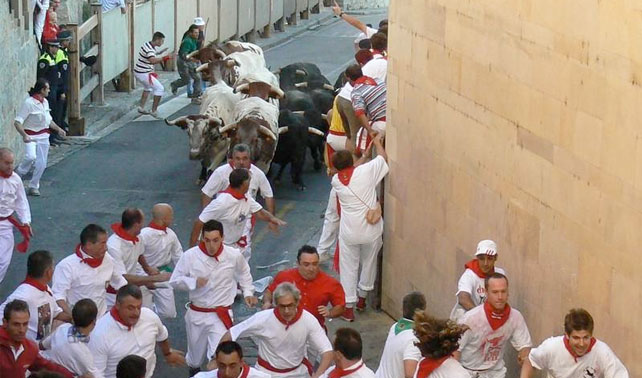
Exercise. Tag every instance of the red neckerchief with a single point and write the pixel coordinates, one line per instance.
(157, 227)
(244, 372)
(378, 52)
(91, 261)
(4, 175)
(345, 175)
(203, 249)
(234, 193)
(287, 324)
(572, 352)
(428, 365)
(338, 372)
(366, 80)
(114, 314)
(38, 285)
(494, 319)
(474, 266)
(38, 97)
(120, 231)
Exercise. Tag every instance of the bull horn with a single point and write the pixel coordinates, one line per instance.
(242, 87)
(230, 63)
(192, 54)
(324, 117)
(173, 123)
(220, 53)
(278, 93)
(328, 87)
(283, 130)
(215, 119)
(301, 72)
(299, 112)
(203, 67)
(301, 85)
(277, 72)
(227, 128)
(318, 132)
(267, 132)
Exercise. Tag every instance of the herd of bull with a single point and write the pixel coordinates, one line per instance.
(279, 118)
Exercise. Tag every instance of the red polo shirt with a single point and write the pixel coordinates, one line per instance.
(314, 293)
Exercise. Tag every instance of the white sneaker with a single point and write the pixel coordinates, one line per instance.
(142, 110)
(33, 192)
(155, 115)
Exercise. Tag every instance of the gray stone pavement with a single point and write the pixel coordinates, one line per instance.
(133, 162)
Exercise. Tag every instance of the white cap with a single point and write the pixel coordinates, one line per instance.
(198, 21)
(486, 247)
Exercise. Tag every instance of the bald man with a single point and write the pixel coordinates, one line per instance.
(162, 251)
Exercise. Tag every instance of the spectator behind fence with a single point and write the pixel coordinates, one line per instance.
(187, 66)
(17, 353)
(366, 30)
(111, 4)
(39, 10)
(51, 28)
(33, 122)
(144, 72)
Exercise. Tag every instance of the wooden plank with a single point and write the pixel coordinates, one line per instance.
(87, 26)
(89, 87)
(98, 93)
(74, 73)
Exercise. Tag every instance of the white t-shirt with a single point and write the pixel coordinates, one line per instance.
(220, 180)
(222, 272)
(346, 92)
(42, 309)
(553, 357)
(482, 348)
(280, 347)
(110, 341)
(14, 199)
(399, 347)
(35, 116)
(369, 33)
(65, 348)
(160, 247)
(357, 198)
(362, 372)
(125, 253)
(232, 213)
(470, 283)
(451, 368)
(74, 280)
(376, 68)
(214, 374)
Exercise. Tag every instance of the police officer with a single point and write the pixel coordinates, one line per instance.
(48, 69)
(62, 62)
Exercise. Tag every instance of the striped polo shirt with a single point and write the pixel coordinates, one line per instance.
(369, 98)
(143, 65)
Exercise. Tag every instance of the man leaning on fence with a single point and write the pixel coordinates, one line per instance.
(187, 66)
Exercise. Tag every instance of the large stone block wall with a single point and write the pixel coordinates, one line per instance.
(18, 74)
(519, 121)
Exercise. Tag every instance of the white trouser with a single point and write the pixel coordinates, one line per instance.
(330, 226)
(350, 256)
(6, 247)
(39, 24)
(164, 304)
(154, 86)
(300, 372)
(499, 373)
(35, 157)
(380, 127)
(204, 331)
(247, 232)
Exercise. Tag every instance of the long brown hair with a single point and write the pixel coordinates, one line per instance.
(437, 337)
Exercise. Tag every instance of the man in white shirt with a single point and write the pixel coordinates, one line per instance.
(87, 272)
(67, 346)
(471, 291)
(162, 249)
(400, 355)
(211, 273)
(126, 249)
(220, 180)
(348, 356)
(233, 208)
(131, 366)
(359, 241)
(283, 334)
(144, 73)
(229, 360)
(127, 329)
(491, 327)
(34, 290)
(575, 354)
(108, 5)
(13, 199)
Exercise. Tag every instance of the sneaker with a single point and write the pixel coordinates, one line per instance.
(142, 110)
(361, 304)
(155, 115)
(196, 100)
(33, 192)
(174, 89)
(348, 314)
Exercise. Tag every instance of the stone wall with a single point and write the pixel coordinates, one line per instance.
(529, 121)
(364, 4)
(18, 74)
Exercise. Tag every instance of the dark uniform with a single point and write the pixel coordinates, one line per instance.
(48, 69)
(60, 113)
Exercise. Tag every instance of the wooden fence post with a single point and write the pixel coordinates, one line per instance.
(76, 122)
(98, 94)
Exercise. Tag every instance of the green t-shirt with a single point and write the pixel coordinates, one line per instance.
(188, 45)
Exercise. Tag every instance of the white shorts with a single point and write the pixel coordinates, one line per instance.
(337, 142)
(154, 85)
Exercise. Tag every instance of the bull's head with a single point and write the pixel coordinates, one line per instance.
(260, 89)
(207, 54)
(201, 129)
(256, 133)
